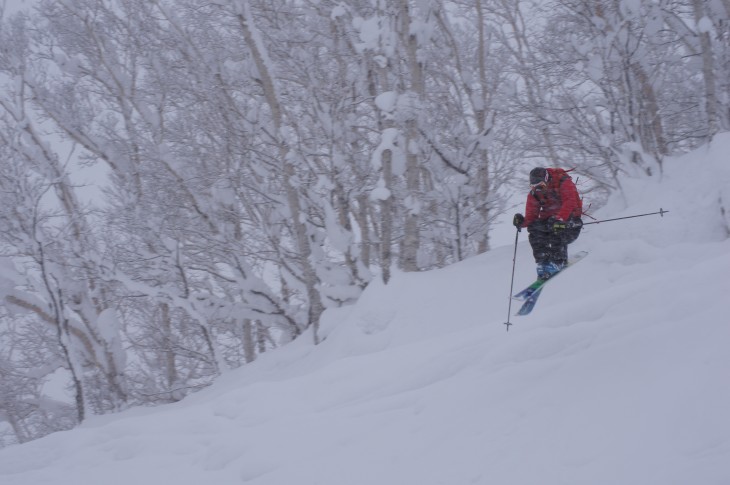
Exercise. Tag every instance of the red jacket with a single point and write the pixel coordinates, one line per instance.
(559, 199)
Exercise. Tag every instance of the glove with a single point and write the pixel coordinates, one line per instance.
(518, 220)
(557, 225)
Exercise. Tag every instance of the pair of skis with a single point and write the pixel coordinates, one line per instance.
(530, 294)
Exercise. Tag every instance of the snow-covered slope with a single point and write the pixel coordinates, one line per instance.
(620, 376)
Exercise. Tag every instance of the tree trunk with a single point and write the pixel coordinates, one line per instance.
(708, 71)
(292, 194)
(249, 344)
(386, 215)
(411, 236)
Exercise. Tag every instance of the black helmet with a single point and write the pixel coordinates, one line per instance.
(539, 174)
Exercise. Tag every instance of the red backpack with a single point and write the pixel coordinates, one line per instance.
(558, 177)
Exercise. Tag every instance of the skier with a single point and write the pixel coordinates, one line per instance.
(552, 218)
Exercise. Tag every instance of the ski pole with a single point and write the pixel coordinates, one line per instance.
(512, 282)
(661, 213)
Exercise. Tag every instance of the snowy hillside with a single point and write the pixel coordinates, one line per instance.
(620, 376)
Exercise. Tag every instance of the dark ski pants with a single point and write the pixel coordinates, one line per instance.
(549, 246)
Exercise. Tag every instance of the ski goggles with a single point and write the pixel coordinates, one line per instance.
(539, 186)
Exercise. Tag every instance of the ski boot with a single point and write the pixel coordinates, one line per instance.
(547, 270)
